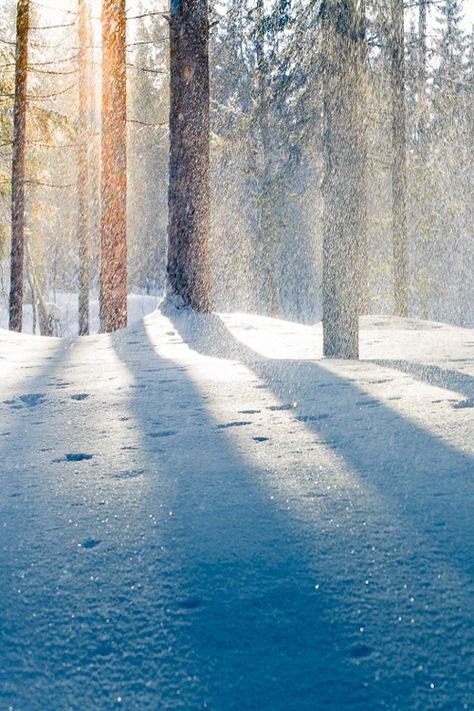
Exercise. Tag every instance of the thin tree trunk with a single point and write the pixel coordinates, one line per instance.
(83, 182)
(361, 154)
(189, 254)
(113, 272)
(18, 169)
(399, 161)
(424, 278)
(344, 169)
(267, 257)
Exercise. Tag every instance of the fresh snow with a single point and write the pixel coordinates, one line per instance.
(200, 512)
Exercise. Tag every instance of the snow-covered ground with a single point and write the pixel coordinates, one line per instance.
(202, 513)
(65, 307)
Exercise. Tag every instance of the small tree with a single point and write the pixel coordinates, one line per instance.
(189, 260)
(18, 168)
(113, 269)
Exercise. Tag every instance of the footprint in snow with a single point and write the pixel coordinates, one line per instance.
(249, 412)
(164, 433)
(464, 404)
(33, 399)
(361, 651)
(280, 408)
(74, 457)
(226, 425)
(80, 396)
(89, 543)
(367, 403)
(261, 439)
(313, 418)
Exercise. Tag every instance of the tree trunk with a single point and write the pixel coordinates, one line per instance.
(399, 161)
(266, 243)
(423, 232)
(113, 270)
(189, 258)
(344, 171)
(83, 181)
(18, 169)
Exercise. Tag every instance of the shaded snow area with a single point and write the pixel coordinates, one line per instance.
(202, 513)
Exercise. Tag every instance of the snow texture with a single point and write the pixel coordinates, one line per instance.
(200, 512)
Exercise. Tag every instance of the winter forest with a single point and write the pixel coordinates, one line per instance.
(236, 313)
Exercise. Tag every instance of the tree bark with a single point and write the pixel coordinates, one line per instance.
(113, 272)
(189, 253)
(83, 177)
(399, 160)
(18, 169)
(344, 176)
(266, 243)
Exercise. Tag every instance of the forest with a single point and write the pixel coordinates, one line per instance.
(236, 355)
(274, 138)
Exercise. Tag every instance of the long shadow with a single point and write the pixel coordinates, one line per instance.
(454, 380)
(250, 620)
(425, 478)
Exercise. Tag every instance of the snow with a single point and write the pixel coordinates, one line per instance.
(63, 306)
(201, 512)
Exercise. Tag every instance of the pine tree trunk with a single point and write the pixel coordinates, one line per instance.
(189, 258)
(344, 181)
(113, 270)
(266, 246)
(83, 182)
(18, 169)
(424, 267)
(399, 161)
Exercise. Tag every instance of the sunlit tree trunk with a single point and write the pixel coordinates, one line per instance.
(344, 175)
(18, 168)
(189, 261)
(113, 269)
(399, 160)
(83, 182)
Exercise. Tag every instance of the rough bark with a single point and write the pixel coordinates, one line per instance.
(83, 182)
(265, 237)
(113, 271)
(399, 160)
(189, 259)
(18, 169)
(344, 175)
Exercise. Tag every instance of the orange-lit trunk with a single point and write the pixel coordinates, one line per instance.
(113, 269)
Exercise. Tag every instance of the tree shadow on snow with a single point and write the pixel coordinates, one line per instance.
(254, 619)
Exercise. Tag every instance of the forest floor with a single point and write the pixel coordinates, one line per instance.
(202, 513)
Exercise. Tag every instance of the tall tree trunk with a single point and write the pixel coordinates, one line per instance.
(113, 270)
(344, 170)
(267, 252)
(18, 168)
(361, 153)
(423, 231)
(189, 254)
(83, 182)
(399, 160)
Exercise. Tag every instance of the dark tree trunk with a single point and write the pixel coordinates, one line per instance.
(189, 259)
(113, 267)
(344, 176)
(83, 161)
(18, 169)
(399, 161)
